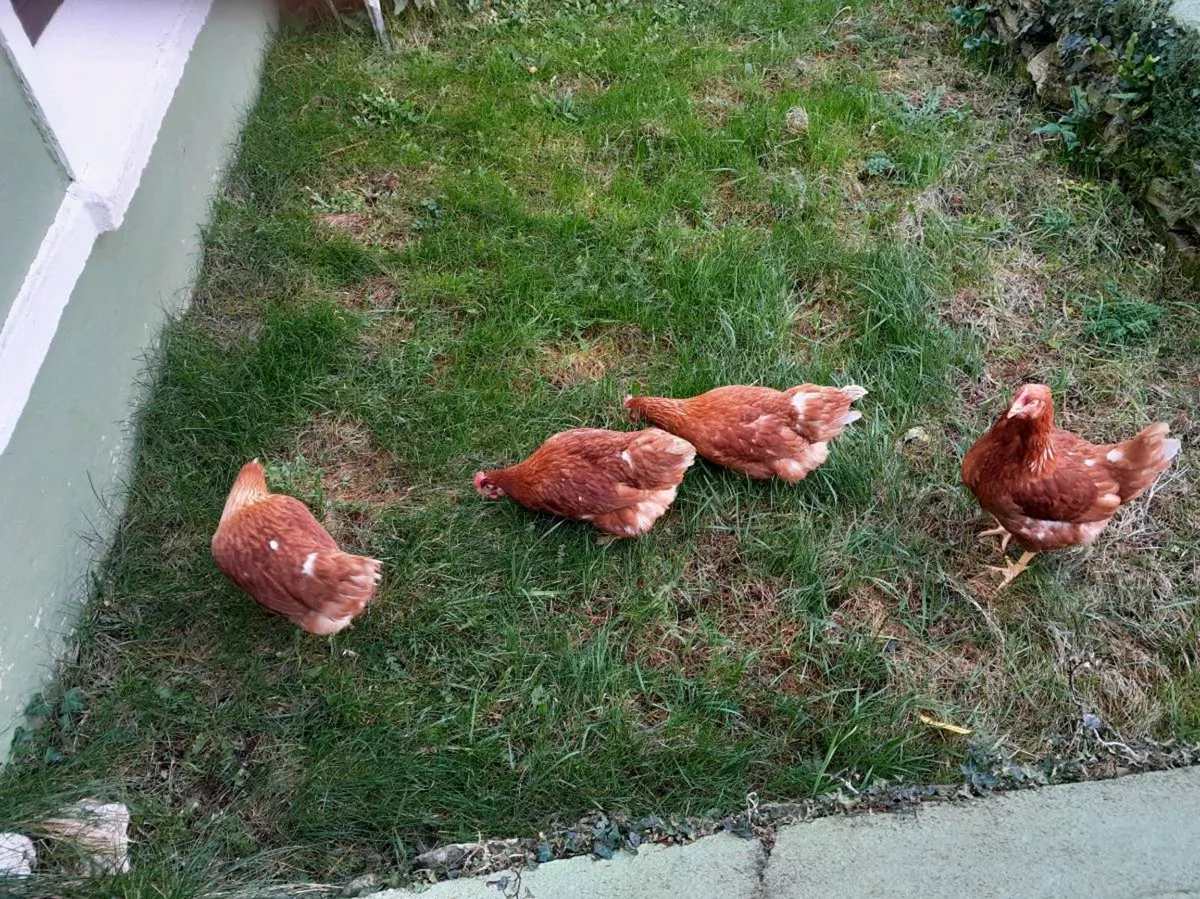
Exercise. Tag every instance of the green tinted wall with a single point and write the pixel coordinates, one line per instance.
(61, 475)
(32, 186)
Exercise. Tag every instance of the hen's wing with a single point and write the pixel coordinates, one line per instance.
(654, 459)
(1066, 507)
(745, 425)
(1071, 493)
(1076, 490)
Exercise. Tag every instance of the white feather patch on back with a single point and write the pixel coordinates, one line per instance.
(309, 563)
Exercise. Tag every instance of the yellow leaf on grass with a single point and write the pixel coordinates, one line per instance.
(943, 725)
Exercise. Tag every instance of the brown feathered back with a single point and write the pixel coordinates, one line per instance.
(620, 482)
(272, 547)
(758, 430)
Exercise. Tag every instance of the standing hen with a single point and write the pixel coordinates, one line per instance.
(620, 482)
(272, 547)
(1048, 488)
(760, 431)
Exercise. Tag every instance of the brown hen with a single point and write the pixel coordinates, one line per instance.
(272, 547)
(763, 432)
(619, 482)
(1048, 488)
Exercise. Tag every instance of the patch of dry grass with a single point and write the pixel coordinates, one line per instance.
(351, 479)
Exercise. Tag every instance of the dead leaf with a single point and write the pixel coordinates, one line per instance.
(944, 725)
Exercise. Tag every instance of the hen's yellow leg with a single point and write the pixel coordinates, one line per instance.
(1012, 569)
(998, 531)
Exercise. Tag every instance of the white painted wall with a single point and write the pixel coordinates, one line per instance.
(100, 80)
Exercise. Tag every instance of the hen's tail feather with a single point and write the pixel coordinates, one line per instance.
(1138, 461)
(638, 517)
(342, 584)
(854, 391)
(822, 413)
(658, 459)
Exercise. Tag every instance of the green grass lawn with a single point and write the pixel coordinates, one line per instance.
(424, 264)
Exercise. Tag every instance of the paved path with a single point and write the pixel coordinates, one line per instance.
(1134, 837)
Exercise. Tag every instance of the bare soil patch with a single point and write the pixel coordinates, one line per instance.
(358, 478)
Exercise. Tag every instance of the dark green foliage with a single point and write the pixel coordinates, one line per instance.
(1120, 321)
(1128, 74)
(973, 21)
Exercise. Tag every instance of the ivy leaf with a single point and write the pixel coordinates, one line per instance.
(38, 707)
(73, 701)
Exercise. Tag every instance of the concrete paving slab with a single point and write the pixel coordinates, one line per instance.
(721, 865)
(1136, 836)
(1187, 11)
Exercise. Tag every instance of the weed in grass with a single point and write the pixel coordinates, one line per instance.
(1120, 321)
(635, 210)
(382, 110)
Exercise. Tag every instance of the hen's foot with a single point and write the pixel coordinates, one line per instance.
(1012, 569)
(998, 531)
